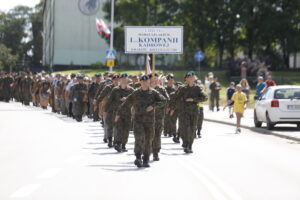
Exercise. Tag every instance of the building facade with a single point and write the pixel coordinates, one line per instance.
(70, 36)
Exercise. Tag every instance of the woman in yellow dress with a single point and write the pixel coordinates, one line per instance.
(240, 100)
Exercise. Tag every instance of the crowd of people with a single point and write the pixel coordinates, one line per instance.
(120, 102)
(150, 105)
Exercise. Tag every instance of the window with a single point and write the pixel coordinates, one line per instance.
(287, 93)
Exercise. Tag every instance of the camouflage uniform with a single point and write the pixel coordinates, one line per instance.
(122, 126)
(143, 120)
(6, 88)
(79, 99)
(173, 118)
(168, 121)
(25, 89)
(94, 87)
(190, 113)
(159, 123)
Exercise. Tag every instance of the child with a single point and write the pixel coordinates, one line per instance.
(239, 98)
(229, 94)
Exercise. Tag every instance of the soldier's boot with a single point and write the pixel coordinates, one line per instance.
(118, 147)
(105, 140)
(110, 143)
(165, 134)
(138, 161)
(124, 148)
(78, 118)
(155, 157)
(170, 134)
(146, 161)
(190, 149)
(102, 122)
(186, 148)
(175, 139)
(199, 133)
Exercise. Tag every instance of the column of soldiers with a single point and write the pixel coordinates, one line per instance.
(121, 103)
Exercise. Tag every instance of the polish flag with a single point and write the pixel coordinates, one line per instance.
(102, 27)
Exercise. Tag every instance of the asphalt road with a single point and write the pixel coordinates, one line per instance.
(45, 156)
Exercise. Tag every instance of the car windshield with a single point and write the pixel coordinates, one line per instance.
(287, 93)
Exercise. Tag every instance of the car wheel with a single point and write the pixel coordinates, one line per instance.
(270, 125)
(256, 122)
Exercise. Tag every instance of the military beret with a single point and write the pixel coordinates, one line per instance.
(115, 76)
(98, 75)
(178, 83)
(73, 75)
(191, 73)
(170, 76)
(80, 76)
(124, 75)
(144, 78)
(108, 80)
(153, 75)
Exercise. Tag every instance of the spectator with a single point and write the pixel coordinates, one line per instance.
(245, 87)
(259, 87)
(229, 93)
(215, 88)
(270, 82)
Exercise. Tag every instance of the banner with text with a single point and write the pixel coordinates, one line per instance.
(154, 39)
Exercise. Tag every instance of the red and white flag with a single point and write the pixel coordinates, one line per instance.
(102, 27)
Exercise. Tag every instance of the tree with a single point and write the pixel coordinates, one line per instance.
(7, 59)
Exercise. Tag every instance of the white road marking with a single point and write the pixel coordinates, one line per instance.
(213, 190)
(49, 173)
(25, 191)
(217, 181)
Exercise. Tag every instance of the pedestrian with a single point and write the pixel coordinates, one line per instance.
(190, 95)
(68, 93)
(94, 110)
(229, 93)
(44, 92)
(270, 82)
(215, 88)
(240, 101)
(144, 100)
(201, 112)
(245, 87)
(260, 86)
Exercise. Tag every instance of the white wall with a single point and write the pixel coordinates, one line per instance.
(76, 39)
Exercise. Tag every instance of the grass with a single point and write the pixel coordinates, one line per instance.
(282, 77)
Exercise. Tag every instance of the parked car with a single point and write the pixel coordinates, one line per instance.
(278, 105)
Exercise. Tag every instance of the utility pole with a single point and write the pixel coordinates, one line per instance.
(112, 28)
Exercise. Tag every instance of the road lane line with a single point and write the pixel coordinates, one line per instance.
(25, 191)
(221, 184)
(49, 173)
(213, 190)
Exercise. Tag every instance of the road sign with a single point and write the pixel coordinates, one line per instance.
(110, 54)
(110, 63)
(199, 56)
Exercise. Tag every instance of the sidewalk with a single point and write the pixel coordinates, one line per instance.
(286, 131)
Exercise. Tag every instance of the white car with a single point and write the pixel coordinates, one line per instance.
(278, 105)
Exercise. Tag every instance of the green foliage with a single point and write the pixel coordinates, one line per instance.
(7, 59)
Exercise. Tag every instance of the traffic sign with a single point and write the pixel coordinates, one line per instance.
(110, 63)
(110, 54)
(199, 56)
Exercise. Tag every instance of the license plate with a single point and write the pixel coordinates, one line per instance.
(293, 107)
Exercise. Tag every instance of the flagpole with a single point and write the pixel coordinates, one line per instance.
(112, 28)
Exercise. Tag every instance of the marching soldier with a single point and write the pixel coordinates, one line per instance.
(144, 100)
(201, 113)
(7, 81)
(190, 95)
(122, 126)
(159, 116)
(94, 110)
(25, 89)
(108, 116)
(79, 98)
(167, 123)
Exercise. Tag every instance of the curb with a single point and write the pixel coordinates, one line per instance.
(258, 130)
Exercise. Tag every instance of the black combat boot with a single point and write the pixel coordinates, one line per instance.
(190, 149)
(175, 139)
(155, 157)
(124, 148)
(199, 133)
(105, 140)
(138, 161)
(146, 161)
(186, 148)
(118, 147)
(110, 144)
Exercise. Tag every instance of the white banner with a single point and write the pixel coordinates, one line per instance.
(154, 39)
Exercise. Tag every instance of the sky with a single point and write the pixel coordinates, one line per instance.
(6, 5)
